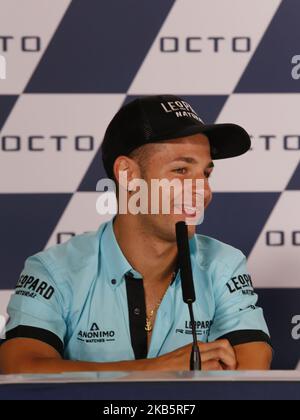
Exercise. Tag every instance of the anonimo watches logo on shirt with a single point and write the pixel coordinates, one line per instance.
(95, 335)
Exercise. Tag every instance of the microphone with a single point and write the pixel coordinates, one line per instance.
(187, 284)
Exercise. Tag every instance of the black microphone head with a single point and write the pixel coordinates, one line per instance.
(184, 262)
(181, 230)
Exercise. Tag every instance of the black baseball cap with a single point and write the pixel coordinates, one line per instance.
(153, 119)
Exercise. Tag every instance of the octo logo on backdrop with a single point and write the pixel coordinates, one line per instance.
(25, 44)
(199, 44)
(2, 68)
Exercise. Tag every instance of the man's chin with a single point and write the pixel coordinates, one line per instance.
(191, 220)
(191, 230)
(184, 218)
(166, 226)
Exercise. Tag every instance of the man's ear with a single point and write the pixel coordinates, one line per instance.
(128, 165)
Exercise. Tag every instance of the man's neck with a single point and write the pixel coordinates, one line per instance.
(152, 257)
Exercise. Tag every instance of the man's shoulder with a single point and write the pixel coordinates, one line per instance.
(216, 251)
(76, 253)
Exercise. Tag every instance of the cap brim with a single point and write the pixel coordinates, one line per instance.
(226, 140)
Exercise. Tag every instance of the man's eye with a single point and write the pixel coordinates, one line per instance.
(181, 171)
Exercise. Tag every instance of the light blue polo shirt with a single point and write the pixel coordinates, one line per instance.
(84, 299)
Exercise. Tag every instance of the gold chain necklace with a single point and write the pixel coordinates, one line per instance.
(149, 324)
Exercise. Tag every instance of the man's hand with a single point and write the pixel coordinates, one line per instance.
(218, 355)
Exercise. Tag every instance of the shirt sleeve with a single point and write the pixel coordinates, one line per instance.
(36, 308)
(237, 316)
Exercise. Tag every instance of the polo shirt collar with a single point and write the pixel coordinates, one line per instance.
(117, 265)
(113, 258)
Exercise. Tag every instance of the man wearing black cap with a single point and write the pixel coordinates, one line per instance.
(112, 300)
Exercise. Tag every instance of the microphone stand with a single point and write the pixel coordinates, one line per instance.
(188, 289)
(195, 360)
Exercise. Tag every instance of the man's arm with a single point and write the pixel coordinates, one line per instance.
(253, 356)
(238, 318)
(23, 355)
